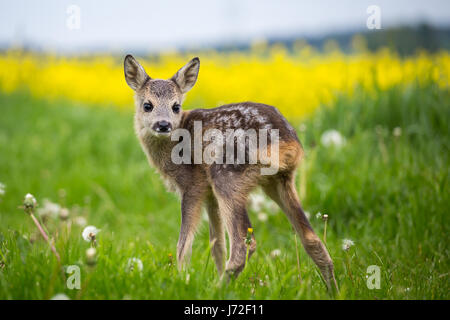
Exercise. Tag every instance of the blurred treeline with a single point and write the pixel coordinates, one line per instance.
(405, 40)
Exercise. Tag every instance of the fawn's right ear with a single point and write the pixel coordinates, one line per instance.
(135, 74)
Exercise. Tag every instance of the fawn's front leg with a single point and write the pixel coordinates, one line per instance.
(191, 204)
(237, 223)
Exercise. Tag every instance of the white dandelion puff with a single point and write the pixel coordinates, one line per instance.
(89, 233)
(80, 221)
(2, 189)
(257, 202)
(49, 209)
(332, 138)
(397, 132)
(275, 253)
(91, 256)
(205, 215)
(135, 263)
(64, 214)
(262, 217)
(29, 201)
(319, 215)
(91, 253)
(60, 296)
(271, 206)
(347, 244)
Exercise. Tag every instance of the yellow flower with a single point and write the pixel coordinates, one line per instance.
(296, 82)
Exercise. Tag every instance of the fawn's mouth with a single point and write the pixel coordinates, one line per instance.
(161, 134)
(163, 128)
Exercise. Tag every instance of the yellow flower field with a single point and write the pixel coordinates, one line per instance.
(296, 82)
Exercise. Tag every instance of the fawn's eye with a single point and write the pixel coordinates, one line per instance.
(176, 108)
(148, 107)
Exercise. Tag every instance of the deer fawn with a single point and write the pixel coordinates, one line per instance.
(223, 188)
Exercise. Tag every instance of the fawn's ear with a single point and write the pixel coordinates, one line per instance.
(135, 74)
(186, 77)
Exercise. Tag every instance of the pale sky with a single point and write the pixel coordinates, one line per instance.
(154, 25)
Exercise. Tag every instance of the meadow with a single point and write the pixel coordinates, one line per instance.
(383, 182)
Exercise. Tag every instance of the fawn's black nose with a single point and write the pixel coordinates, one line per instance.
(162, 126)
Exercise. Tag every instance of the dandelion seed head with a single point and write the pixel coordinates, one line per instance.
(89, 233)
(397, 132)
(260, 203)
(64, 214)
(2, 189)
(332, 138)
(275, 253)
(60, 296)
(319, 215)
(262, 217)
(270, 206)
(29, 201)
(80, 221)
(91, 252)
(256, 202)
(91, 256)
(135, 263)
(347, 244)
(49, 209)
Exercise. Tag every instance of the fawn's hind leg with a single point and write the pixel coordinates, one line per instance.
(216, 233)
(282, 190)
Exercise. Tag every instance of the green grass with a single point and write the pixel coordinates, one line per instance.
(389, 194)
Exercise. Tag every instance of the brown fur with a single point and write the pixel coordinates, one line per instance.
(223, 188)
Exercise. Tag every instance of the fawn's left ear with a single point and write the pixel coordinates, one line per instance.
(186, 77)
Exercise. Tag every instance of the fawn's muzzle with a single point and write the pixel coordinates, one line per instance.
(162, 126)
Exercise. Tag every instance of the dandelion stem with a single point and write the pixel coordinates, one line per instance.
(348, 267)
(298, 259)
(248, 240)
(325, 233)
(246, 254)
(44, 235)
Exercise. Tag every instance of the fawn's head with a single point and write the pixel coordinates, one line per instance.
(158, 102)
